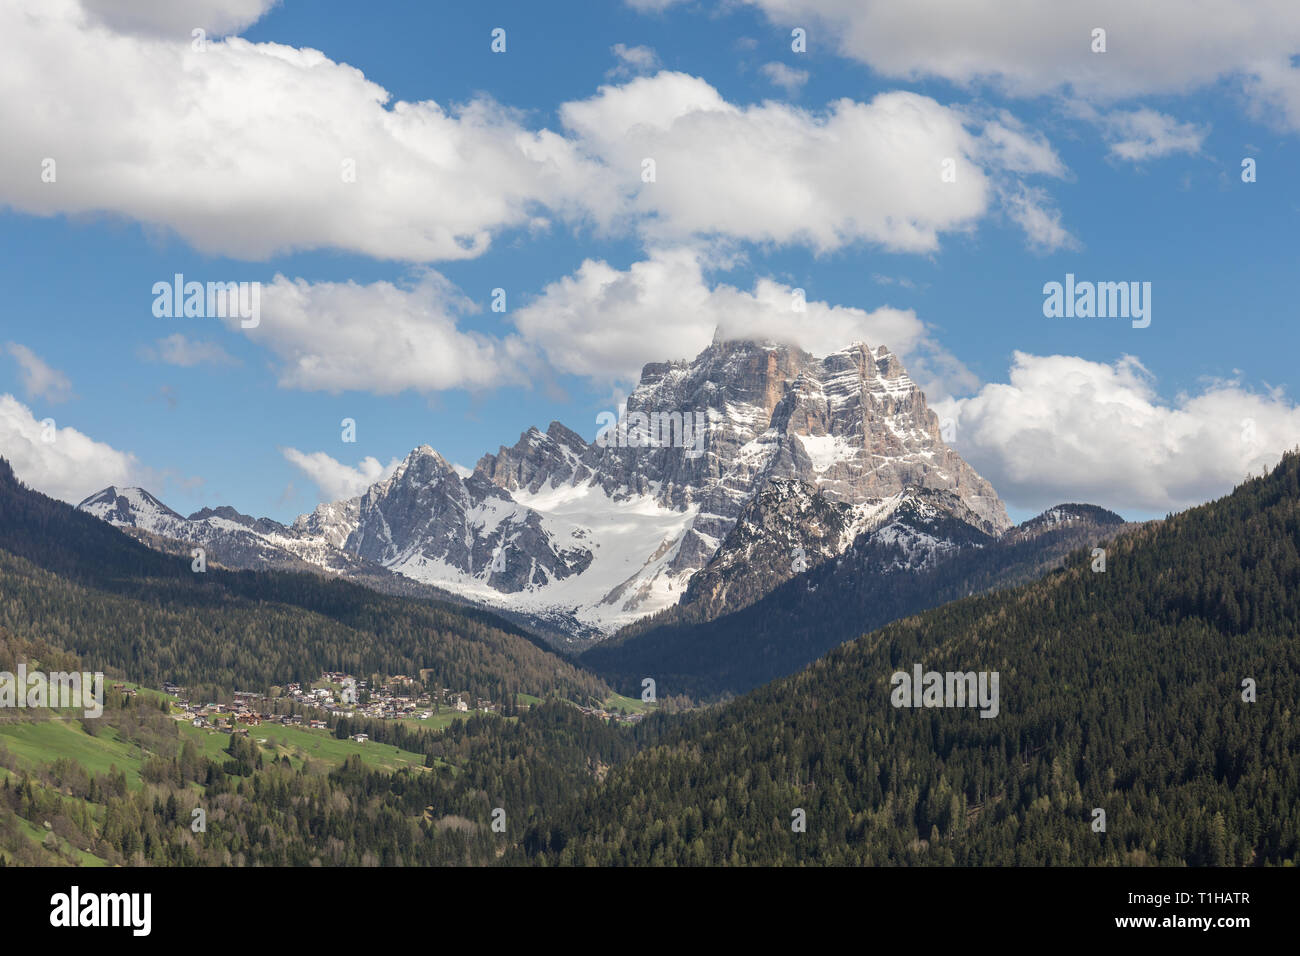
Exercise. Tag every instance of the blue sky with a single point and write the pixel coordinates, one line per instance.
(1115, 166)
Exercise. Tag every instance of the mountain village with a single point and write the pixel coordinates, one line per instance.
(340, 695)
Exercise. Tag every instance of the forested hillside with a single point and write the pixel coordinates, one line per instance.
(1120, 690)
(123, 789)
(805, 617)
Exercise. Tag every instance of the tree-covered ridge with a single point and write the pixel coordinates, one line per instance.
(1120, 691)
(83, 586)
(807, 616)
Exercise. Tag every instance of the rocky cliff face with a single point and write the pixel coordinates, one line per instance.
(852, 424)
(427, 522)
(721, 467)
(791, 527)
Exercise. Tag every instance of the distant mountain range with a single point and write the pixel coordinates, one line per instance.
(72, 583)
(726, 476)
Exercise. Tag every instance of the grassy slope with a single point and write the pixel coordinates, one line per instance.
(42, 741)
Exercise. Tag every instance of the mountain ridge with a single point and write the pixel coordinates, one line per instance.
(582, 538)
(906, 564)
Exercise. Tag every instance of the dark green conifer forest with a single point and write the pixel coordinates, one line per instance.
(1120, 690)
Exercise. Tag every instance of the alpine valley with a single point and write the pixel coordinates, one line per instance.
(794, 582)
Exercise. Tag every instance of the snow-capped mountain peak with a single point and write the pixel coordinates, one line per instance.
(129, 506)
(594, 534)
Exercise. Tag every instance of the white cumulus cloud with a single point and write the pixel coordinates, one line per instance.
(604, 323)
(378, 337)
(336, 480)
(70, 467)
(249, 150)
(1033, 47)
(773, 172)
(1142, 134)
(600, 323)
(177, 17)
(1067, 429)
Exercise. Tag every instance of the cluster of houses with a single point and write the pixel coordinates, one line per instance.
(237, 717)
(397, 698)
(612, 717)
(339, 694)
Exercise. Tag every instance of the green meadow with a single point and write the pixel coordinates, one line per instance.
(43, 837)
(297, 743)
(633, 705)
(43, 741)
